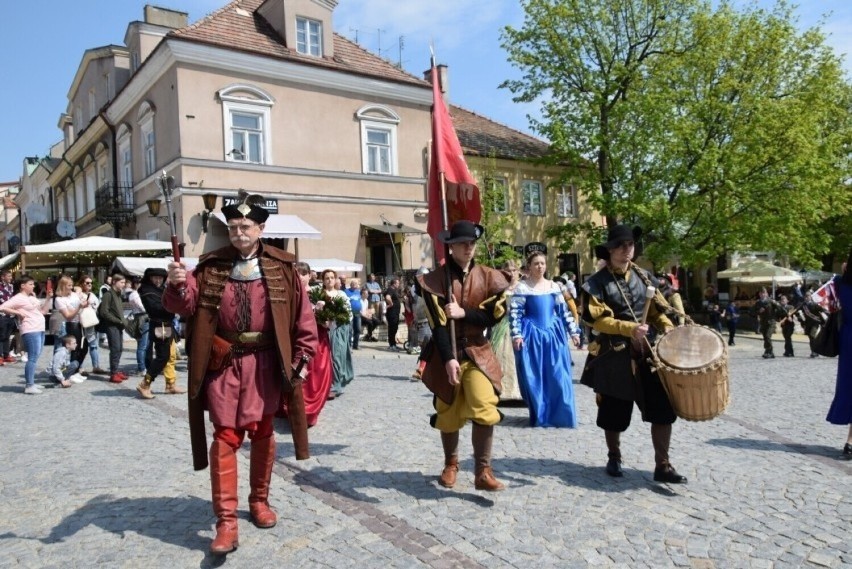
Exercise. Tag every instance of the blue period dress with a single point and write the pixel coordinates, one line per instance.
(544, 322)
(840, 412)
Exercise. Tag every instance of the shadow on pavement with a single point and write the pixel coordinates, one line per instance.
(763, 444)
(344, 483)
(148, 517)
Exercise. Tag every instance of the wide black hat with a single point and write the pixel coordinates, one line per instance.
(248, 206)
(155, 272)
(461, 231)
(617, 235)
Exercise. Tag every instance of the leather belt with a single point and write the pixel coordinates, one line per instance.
(247, 342)
(245, 337)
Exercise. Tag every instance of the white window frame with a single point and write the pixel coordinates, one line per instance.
(504, 184)
(93, 108)
(84, 193)
(247, 99)
(529, 200)
(125, 156)
(566, 201)
(305, 36)
(374, 118)
(108, 86)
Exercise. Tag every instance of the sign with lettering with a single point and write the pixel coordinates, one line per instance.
(534, 247)
(269, 205)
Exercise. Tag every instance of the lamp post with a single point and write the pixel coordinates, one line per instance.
(167, 187)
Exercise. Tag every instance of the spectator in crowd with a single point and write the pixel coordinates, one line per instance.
(90, 334)
(732, 316)
(70, 303)
(30, 311)
(375, 290)
(392, 310)
(63, 368)
(137, 310)
(7, 322)
(104, 288)
(369, 320)
(111, 315)
(354, 294)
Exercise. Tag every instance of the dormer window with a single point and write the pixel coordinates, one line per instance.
(309, 37)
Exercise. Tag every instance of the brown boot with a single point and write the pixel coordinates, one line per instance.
(144, 387)
(262, 460)
(448, 475)
(485, 480)
(173, 389)
(482, 439)
(223, 483)
(450, 443)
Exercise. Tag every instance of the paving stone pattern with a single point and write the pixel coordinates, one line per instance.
(94, 476)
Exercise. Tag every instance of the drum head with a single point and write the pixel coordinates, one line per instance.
(690, 347)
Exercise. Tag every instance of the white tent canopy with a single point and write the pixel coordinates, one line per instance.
(280, 226)
(135, 266)
(333, 264)
(88, 251)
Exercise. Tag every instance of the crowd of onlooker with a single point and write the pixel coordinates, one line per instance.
(78, 319)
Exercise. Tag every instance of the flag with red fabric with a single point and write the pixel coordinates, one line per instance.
(462, 193)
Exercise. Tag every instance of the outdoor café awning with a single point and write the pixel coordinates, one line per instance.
(279, 226)
(135, 266)
(333, 264)
(392, 228)
(88, 251)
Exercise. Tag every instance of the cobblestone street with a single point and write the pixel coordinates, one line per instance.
(94, 476)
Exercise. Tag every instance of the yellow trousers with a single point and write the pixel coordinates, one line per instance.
(475, 400)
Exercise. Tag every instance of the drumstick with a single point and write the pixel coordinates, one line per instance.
(650, 292)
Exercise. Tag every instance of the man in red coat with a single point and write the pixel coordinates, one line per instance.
(250, 329)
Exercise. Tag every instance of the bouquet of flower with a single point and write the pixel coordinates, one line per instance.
(330, 309)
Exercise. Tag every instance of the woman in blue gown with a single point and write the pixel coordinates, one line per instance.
(840, 412)
(541, 324)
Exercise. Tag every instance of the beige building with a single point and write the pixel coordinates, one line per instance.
(263, 96)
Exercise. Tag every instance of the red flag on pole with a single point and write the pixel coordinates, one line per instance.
(462, 194)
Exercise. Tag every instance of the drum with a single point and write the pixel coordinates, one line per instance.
(692, 362)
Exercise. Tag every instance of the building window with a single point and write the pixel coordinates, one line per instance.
(93, 105)
(532, 194)
(566, 201)
(84, 193)
(309, 37)
(149, 143)
(499, 189)
(125, 157)
(247, 115)
(149, 138)
(378, 150)
(378, 140)
(246, 137)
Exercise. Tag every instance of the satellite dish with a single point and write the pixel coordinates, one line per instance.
(65, 228)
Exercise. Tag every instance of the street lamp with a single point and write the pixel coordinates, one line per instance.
(209, 206)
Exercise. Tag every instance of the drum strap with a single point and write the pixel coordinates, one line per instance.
(647, 344)
(668, 309)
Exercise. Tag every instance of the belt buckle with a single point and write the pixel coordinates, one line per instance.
(248, 337)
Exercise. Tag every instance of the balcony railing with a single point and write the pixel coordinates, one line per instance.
(114, 203)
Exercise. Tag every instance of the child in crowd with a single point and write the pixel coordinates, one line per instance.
(61, 365)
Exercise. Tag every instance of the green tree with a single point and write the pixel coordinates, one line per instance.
(717, 130)
(497, 219)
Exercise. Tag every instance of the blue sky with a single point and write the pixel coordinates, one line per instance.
(44, 42)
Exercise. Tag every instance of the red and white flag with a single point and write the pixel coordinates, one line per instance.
(826, 297)
(462, 192)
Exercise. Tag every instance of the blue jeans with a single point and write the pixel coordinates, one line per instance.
(142, 347)
(33, 344)
(356, 330)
